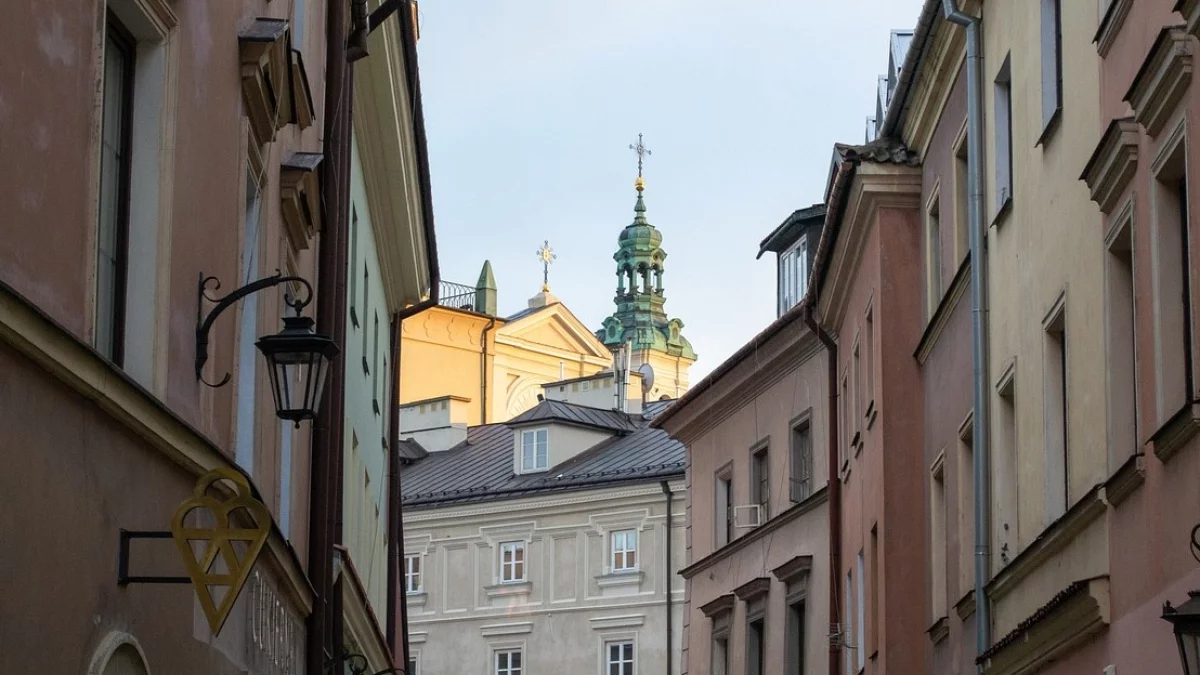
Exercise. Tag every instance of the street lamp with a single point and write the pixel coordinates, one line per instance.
(1186, 621)
(297, 357)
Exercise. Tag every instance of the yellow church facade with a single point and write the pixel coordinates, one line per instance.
(496, 366)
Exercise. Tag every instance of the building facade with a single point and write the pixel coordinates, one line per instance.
(757, 578)
(548, 543)
(175, 154)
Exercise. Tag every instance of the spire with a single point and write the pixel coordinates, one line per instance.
(639, 209)
(547, 256)
(485, 290)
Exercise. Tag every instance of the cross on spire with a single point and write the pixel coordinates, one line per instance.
(642, 153)
(547, 256)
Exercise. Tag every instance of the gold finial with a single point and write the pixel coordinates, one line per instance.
(642, 153)
(547, 256)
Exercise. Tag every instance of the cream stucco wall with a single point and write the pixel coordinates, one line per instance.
(1037, 260)
(569, 607)
(367, 400)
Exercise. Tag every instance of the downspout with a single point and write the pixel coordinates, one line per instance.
(395, 529)
(835, 483)
(331, 320)
(979, 439)
(666, 488)
(483, 370)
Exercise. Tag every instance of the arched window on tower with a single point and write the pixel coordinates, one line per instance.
(632, 280)
(621, 281)
(658, 280)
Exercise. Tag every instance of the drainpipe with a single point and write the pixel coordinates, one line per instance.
(835, 484)
(666, 488)
(483, 369)
(979, 348)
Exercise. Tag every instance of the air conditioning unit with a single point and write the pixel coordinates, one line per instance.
(748, 516)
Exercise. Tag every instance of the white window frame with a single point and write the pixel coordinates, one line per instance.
(860, 614)
(793, 274)
(509, 670)
(411, 588)
(1052, 62)
(508, 570)
(625, 667)
(539, 436)
(1003, 131)
(629, 545)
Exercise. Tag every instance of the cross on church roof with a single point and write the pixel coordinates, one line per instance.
(642, 153)
(547, 256)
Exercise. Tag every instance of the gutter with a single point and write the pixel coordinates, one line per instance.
(666, 488)
(835, 488)
(979, 346)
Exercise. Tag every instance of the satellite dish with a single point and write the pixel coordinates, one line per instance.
(647, 378)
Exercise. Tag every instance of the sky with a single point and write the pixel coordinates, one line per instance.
(530, 109)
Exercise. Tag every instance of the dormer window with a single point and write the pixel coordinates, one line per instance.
(533, 450)
(793, 274)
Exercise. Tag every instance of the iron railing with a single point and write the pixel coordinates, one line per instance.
(458, 296)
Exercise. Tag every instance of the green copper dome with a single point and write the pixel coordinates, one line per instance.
(640, 318)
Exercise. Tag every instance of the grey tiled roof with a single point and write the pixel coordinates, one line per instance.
(572, 413)
(528, 311)
(881, 151)
(481, 468)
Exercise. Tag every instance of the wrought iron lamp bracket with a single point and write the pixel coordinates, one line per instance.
(353, 659)
(123, 576)
(204, 322)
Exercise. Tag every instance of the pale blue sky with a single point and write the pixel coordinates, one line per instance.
(530, 108)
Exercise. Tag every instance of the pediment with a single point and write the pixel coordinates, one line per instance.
(554, 327)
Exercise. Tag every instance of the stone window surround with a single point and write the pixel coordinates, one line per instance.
(1163, 79)
(493, 537)
(606, 637)
(604, 525)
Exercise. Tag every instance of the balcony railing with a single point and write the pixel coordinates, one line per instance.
(458, 296)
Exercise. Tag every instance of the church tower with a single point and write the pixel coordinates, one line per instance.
(656, 342)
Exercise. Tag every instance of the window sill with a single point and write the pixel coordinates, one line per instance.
(375, 405)
(845, 471)
(366, 366)
(416, 599)
(1050, 129)
(620, 578)
(939, 631)
(1176, 432)
(857, 443)
(353, 316)
(870, 416)
(1001, 216)
(508, 588)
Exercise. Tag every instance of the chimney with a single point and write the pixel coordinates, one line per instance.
(438, 424)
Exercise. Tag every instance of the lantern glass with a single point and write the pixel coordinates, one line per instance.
(1189, 651)
(298, 362)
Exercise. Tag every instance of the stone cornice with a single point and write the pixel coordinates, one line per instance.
(875, 186)
(507, 510)
(39, 338)
(723, 603)
(1190, 9)
(753, 589)
(1163, 79)
(1176, 432)
(1113, 164)
(1110, 25)
(1125, 480)
(793, 569)
(1053, 539)
(1067, 620)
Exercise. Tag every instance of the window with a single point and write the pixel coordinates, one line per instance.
(112, 254)
(720, 655)
(858, 391)
(724, 507)
(933, 252)
(353, 264)
(1004, 521)
(365, 306)
(508, 662)
(1172, 284)
(375, 368)
(413, 666)
(760, 483)
(870, 347)
(246, 437)
(533, 450)
(285, 477)
(847, 635)
(512, 562)
(298, 28)
(1003, 130)
(793, 275)
(624, 550)
(966, 508)
(756, 662)
(1052, 63)
(843, 416)
(962, 196)
(860, 614)
(1119, 320)
(937, 527)
(873, 605)
(412, 573)
(802, 460)
(795, 638)
(1054, 377)
(619, 657)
